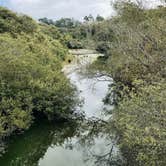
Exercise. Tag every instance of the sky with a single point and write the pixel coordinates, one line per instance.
(55, 9)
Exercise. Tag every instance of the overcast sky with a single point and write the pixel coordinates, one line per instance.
(56, 9)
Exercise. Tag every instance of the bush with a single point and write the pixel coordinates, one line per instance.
(14, 24)
(74, 44)
(32, 84)
(140, 120)
(137, 63)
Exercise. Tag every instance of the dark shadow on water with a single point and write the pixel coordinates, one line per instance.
(61, 144)
(28, 148)
(83, 142)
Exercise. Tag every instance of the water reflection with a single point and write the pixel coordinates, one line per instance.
(92, 92)
(70, 144)
(78, 143)
(29, 148)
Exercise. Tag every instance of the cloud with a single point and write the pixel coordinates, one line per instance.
(56, 9)
(152, 3)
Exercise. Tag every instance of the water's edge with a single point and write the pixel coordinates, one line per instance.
(47, 144)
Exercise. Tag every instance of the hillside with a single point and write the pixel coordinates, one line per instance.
(31, 82)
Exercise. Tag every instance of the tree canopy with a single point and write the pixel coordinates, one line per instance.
(134, 46)
(31, 81)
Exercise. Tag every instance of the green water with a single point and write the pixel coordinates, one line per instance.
(65, 144)
(29, 148)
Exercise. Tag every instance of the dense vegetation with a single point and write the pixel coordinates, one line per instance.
(28, 148)
(133, 42)
(134, 45)
(31, 82)
(79, 33)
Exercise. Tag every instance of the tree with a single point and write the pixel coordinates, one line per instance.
(47, 21)
(89, 18)
(67, 23)
(99, 18)
(136, 61)
(31, 80)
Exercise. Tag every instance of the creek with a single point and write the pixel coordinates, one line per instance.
(59, 144)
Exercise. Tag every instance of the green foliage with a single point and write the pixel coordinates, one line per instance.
(14, 24)
(27, 149)
(136, 61)
(99, 18)
(75, 34)
(65, 30)
(54, 33)
(89, 18)
(32, 84)
(46, 21)
(129, 12)
(74, 44)
(93, 34)
(67, 23)
(138, 64)
(51, 31)
(141, 121)
(61, 23)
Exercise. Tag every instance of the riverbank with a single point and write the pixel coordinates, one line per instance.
(69, 143)
(31, 82)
